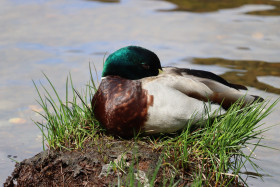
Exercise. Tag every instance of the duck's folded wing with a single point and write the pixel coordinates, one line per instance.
(200, 74)
(205, 89)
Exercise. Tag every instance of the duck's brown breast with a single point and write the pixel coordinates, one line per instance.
(121, 105)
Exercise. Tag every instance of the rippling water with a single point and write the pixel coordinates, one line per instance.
(239, 40)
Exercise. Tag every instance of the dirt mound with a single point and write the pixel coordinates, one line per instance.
(106, 164)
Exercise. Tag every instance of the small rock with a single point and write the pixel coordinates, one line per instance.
(77, 171)
(106, 170)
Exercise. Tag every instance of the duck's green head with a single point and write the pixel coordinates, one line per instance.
(132, 62)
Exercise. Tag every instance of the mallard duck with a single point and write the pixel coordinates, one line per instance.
(137, 95)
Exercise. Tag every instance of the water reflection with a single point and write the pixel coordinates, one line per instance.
(214, 5)
(250, 71)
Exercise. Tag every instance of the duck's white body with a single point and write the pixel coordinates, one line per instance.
(178, 98)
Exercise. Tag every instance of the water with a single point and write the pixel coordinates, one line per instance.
(239, 40)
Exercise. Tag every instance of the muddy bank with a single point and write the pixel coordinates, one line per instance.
(112, 163)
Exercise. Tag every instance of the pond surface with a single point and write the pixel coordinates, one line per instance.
(239, 40)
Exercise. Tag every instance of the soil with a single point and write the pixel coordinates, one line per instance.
(92, 166)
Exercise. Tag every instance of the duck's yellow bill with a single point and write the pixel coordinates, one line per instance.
(160, 71)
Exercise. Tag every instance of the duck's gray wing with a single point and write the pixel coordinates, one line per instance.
(203, 74)
(222, 92)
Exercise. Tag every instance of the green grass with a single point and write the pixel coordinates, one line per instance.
(68, 124)
(210, 155)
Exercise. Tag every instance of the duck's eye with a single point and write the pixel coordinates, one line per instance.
(145, 66)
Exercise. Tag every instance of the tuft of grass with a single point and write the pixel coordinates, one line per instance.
(212, 155)
(67, 124)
